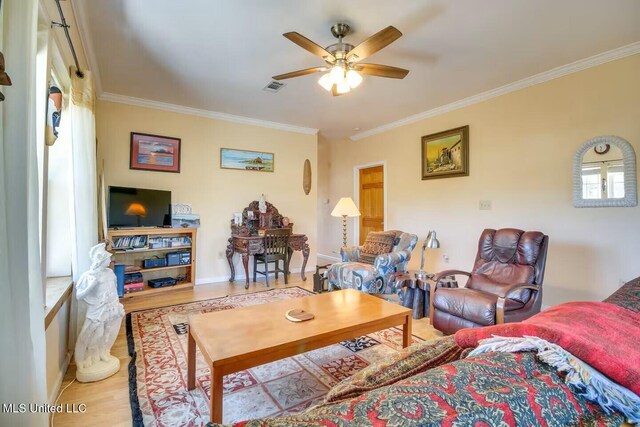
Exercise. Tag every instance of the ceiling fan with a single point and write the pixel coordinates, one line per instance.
(344, 69)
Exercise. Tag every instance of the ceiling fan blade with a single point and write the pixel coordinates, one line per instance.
(310, 46)
(374, 43)
(299, 73)
(382, 71)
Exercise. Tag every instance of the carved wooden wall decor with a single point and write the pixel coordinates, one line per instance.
(5, 80)
(306, 177)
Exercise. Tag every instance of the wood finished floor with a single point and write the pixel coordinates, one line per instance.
(107, 401)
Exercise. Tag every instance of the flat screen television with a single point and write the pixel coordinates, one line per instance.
(138, 207)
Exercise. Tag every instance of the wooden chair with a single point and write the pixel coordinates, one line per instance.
(276, 249)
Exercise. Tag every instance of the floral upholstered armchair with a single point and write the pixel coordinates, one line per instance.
(371, 268)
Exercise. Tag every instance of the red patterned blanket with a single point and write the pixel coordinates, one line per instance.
(603, 335)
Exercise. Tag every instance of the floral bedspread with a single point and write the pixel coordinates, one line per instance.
(496, 389)
(493, 389)
(628, 296)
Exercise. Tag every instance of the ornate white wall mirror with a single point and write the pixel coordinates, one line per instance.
(604, 173)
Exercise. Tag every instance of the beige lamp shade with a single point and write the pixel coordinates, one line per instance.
(345, 207)
(136, 209)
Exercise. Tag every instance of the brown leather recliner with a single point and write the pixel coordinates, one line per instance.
(505, 284)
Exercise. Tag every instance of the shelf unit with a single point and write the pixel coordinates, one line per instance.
(134, 257)
(129, 251)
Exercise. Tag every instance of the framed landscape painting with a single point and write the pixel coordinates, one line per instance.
(446, 154)
(246, 160)
(154, 153)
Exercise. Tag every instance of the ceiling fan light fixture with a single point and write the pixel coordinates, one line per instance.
(343, 70)
(353, 79)
(337, 74)
(326, 82)
(343, 87)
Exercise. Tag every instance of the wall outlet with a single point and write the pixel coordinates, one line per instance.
(485, 205)
(445, 258)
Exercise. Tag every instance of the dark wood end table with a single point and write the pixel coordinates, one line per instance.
(414, 293)
(418, 291)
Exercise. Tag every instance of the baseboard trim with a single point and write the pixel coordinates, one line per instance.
(218, 279)
(56, 389)
(331, 257)
(214, 279)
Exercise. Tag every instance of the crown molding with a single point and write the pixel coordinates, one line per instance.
(554, 73)
(173, 108)
(87, 42)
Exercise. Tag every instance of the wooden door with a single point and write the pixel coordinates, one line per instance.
(371, 199)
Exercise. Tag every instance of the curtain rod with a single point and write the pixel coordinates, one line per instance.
(64, 25)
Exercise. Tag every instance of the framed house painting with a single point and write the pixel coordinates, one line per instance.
(154, 153)
(246, 160)
(446, 154)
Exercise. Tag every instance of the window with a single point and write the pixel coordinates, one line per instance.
(603, 180)
(54, 160)
(58, 225)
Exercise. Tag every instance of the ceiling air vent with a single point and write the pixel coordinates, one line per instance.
(273, 86)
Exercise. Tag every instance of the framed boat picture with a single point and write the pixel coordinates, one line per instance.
(246, 160)
(446, 154)
(154, 153)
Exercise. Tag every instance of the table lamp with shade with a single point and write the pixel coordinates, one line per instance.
(345, 208)
(431, 242)
(138, 210)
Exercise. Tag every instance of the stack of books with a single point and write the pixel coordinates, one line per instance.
(133, 281)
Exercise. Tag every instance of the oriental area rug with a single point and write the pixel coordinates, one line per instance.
(157, 340)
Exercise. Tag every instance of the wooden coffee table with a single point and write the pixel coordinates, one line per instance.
(241, 338)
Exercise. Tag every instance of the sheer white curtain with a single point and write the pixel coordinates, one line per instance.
(22, 339)
(83, 194)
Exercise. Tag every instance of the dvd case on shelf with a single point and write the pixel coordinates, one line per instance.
(169, 242)
(129, 242)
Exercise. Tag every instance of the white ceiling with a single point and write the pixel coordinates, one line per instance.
(218, 55)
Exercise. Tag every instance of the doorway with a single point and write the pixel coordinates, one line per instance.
(371, 199)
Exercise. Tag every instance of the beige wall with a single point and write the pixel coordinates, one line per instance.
(521, 150)
(324, 202)
(214, 193)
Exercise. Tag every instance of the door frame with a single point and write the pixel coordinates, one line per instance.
(356, 193)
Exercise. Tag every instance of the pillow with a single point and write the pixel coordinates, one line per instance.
(404, 364)
(367, 258)
(378, 242)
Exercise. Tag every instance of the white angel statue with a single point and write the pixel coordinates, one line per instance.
(262, 204)
(97, 288)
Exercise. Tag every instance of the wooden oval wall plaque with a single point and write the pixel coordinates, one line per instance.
(306, 177)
